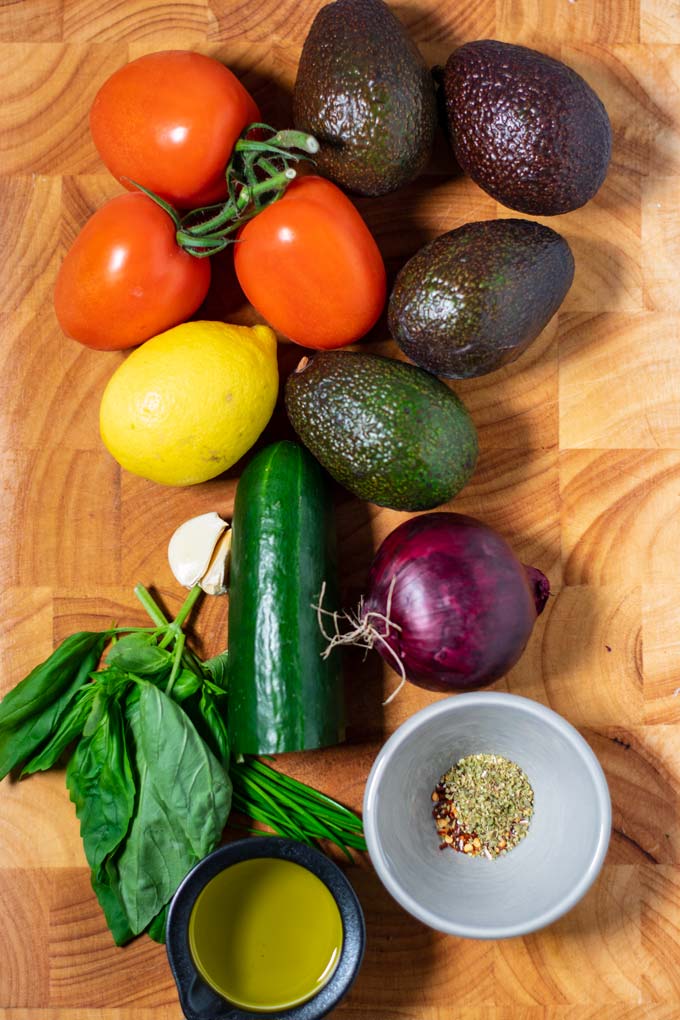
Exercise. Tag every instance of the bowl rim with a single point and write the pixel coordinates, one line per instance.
(480, 699)
(199, 1001)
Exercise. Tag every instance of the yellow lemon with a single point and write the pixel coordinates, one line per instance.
(188, 403)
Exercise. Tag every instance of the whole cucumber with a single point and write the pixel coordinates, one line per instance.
(283, 696)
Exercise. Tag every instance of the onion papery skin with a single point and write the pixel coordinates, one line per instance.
(464, 603)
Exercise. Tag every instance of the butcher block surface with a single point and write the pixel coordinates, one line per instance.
(579, 469)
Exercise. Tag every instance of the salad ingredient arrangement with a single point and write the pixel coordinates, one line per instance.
(190, 402)
(525, 127)
(380, 138)
(158, 751)
(149, 764)
(283, 695)
(311, 267)
(169, 121)
(125, 278)
(475, 298)
(449, 605)
(389, 432)
(483, 806)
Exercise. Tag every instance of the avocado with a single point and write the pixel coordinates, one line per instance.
(389, 432)
(475, 298)
(525, 127)
(365, 93)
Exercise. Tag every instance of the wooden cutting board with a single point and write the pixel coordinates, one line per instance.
(580, 469)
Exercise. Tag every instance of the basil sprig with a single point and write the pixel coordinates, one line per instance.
(151, 797)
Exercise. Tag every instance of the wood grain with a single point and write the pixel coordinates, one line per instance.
(579, 469)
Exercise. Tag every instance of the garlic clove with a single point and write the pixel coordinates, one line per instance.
(214, 580)
(191, 548)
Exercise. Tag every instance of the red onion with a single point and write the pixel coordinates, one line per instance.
(449, 605)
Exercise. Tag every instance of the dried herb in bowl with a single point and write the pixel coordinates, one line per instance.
(483, 806)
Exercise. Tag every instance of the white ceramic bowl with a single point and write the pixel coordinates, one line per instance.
(536, 882)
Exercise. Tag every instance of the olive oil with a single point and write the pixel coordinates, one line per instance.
(266, 934)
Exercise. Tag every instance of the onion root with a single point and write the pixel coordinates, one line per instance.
(363, 633)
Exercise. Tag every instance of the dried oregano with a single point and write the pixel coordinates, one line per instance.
(483, 805)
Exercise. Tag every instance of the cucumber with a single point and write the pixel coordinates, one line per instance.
(283, 696)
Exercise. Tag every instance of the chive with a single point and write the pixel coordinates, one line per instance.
(326, 806)
(310, 827)
(274, 807)
(295, 808)
(341, 819)
(303, 791)
(351, 838)
(259, 816)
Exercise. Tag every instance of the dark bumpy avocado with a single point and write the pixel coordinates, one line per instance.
(364, 91)
(389, 432)
(525, 127)
(474, 299)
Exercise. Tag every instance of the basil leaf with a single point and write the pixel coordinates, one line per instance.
(100, 704)
(31, 715)
(70, 727)
(182, 768)
(193, 707)
(156, 929)
(184, 801)
(140, 654)
(186, 683)
(99, 779)
(113, 681)
(216, 725)
(106, 887)
(217, 667)
(52, 678)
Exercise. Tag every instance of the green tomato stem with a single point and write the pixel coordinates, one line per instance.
(207, 251)
(226, 212)
(230, 216)
(279, 140)
(290, 139)
(268, 166)
(165, 206)
(258, 173)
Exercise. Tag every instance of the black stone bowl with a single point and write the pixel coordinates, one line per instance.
(201, 1002)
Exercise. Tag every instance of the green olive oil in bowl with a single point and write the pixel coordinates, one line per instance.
(266, 934)
(264, 929)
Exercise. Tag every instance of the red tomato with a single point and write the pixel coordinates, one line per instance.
(309, 264)
(125, 279)
(169, 121)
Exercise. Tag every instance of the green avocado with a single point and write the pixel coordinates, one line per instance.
(473, 299)
(365, 93)
(525, 127)
(389, 432)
